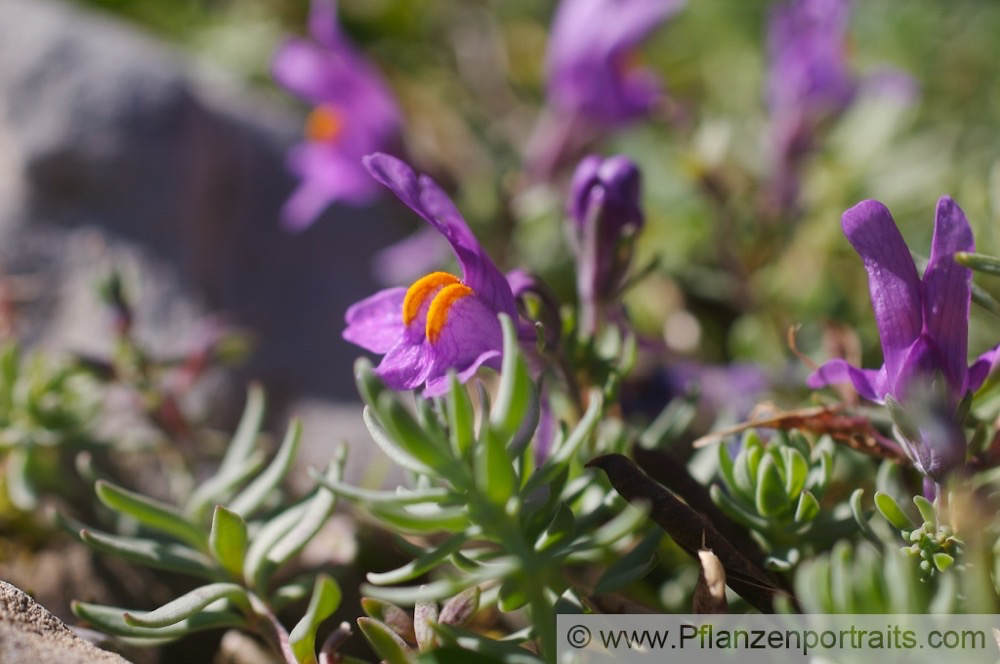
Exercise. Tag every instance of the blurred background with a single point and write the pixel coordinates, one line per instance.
(148, 136)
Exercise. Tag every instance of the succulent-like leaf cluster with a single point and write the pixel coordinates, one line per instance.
(231, 534)
(48, 411)
(774, 489)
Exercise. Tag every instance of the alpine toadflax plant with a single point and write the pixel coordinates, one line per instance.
(354, 114)
(923, 326)
(440, 322)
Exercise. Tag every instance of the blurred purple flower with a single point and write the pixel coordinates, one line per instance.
(809, 82)
(605, 213)
(727, 390)
(440, 322)
(355, 114)
(594, 83)
(923, 326)
(590, 63)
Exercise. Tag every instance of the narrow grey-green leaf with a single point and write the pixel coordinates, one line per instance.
(267, 536)
(631, 567)
(187, 605)
(735, 510)
(582, 431)
(726, 466)
(892, 512)
(370, 497)
(390, 447)
(110, 619)
(861, 518)
(560, 530)
(796, 471)
(505, 651)
(428, 518)
(152, 513)
(315, 515)
(771, 499)
(252, 497)
(461, 418)
(513, 594)
(927, 510)
(743, 481)
(627, 522)
(410, 436)
(394, 617)
(324, 601)
(979, 262)
(494, 470)
(807, 509)
(228, 540)
(20, 490)
(369, 385)
(515, 390)
(425, 616)
(167, 556)
(421, 565)
(385, 642)
(221, 486)
(245, 438)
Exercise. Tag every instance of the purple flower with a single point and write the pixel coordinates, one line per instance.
(590, 62)
(923, 326)
(440, 322)
(605, 216)
(355, 114)
(594, 83)
(809, 81)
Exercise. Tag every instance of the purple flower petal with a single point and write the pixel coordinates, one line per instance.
(376, 323)
(438, 386)
(301, 67)
(948, 292)
(587, 64)
(470, 332)
(423, 196)
(323, 24)
(407, 364)
(892, 280)
(985, 365)
(865, 381)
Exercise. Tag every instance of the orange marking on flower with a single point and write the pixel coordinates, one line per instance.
(325, 123)
(437, 315)
(422, 289)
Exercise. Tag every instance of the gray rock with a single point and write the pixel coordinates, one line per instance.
(113, 145)
(29, 634)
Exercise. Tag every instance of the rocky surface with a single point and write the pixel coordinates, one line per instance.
(29, 634)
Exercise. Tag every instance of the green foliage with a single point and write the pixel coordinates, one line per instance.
(928, 541)
(774, 489)
(860, 579)
(238, 547)
(505, 519)
(48, 411)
